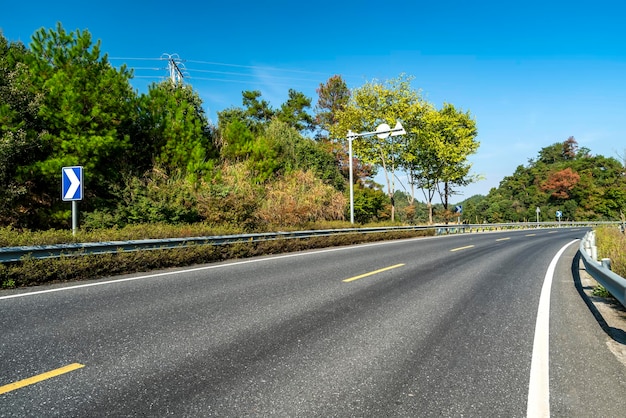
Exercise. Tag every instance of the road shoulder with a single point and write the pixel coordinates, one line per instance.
(611, 315)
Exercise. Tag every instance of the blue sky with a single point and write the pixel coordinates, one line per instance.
(531, 73)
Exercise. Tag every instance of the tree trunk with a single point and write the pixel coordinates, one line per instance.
(429, 205)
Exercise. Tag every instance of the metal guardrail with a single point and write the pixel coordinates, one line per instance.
(13, 254)
(615, 284)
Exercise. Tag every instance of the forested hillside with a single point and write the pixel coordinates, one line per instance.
(154, 157)
(564, 178)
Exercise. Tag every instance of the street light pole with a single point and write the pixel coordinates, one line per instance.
(351, 136)
(382, 131)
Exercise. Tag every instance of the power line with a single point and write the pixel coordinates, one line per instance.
(134, 59)
(176, 70)
(247, 75)
(254, 67)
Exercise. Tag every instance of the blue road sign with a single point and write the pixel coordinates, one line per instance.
(72, 183)
(458, 209)
(559, 214)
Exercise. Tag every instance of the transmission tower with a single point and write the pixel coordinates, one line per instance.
(175, 68)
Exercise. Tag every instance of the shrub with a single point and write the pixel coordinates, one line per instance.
(300, 198)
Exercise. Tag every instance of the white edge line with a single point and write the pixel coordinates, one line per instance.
(209, 267)
(539, 384)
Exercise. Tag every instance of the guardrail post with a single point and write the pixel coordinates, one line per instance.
(594, 253)
(587, 246)
(606, 263)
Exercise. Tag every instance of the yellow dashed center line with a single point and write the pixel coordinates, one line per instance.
(461, 248)
(371, 273)
(40, 377)
(530, 235)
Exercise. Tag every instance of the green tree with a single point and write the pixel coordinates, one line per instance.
(459, 142)
(177, 135)
(238, 127)
(369, 204)
(237, 141)
(20, 133)
(87, 113)
(563, 177)
(258, 111)
(294, 112)
(333, 97)
(371, 105)
(297, 152)
(439, 150)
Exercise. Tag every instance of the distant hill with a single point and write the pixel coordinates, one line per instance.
(562, 178)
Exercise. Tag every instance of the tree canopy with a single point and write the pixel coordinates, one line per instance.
(562, 177)
(155, 156)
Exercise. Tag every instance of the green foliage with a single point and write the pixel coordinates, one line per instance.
(20, 132)
(333, 98)
(62, 104)
(580, 185)
(294, 112)
(369, 205)
(259, 111)
(601, 291)
(257, 114)
(176, 133)
(237, 141)
(372, 105)
(296, 152)
(439, 150)
(154, 198)
(86, 107)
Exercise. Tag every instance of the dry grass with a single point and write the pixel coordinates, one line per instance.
(611, 244)
(30, 272)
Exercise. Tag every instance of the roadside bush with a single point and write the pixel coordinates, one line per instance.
(369, 205)
(231, 198)
(298, 198)
(11, 237)
(153, 198)
(30, 272)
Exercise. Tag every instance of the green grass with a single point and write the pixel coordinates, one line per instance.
(10, 237)
(601, 291)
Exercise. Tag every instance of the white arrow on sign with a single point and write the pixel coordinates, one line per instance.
(74, 183)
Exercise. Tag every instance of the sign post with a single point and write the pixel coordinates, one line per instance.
(458, 209)
(382, 131)
(538, 212)
(559, 214)
(72, 190)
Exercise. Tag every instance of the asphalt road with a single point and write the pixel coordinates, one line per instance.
(427, 327)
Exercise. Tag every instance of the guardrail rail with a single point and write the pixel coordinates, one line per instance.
(14, 254)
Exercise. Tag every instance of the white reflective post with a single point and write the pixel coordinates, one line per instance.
(350, 138)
